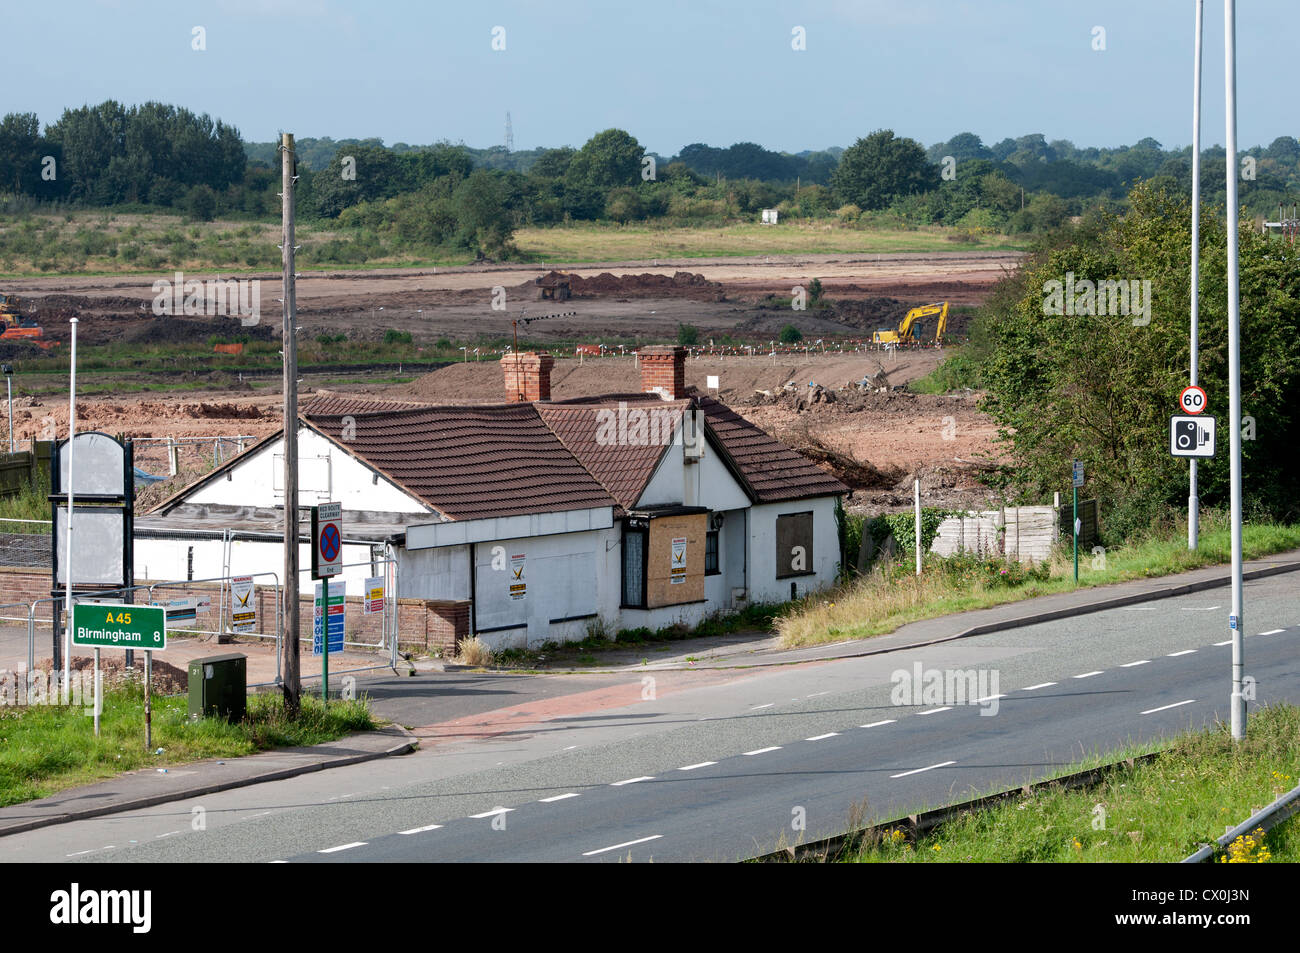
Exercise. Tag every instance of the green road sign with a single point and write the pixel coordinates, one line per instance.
(119, 627)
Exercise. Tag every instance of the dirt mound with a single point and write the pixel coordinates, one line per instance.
(682, 284)
(169, 330)
(167, 678)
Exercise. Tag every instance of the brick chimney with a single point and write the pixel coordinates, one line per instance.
(528, 376)
(663, 371)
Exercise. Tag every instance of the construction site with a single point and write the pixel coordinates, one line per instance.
(839, 393)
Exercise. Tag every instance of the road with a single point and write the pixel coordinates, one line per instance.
(722, 765)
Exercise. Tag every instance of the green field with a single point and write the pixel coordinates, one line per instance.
(124, 242)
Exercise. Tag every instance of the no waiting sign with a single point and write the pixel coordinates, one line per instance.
(326, 540)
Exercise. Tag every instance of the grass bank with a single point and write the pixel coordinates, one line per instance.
(1156, 811)
(46, 748)
(893, 596)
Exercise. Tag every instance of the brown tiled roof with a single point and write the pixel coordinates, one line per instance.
(331, 404)
(770, 470)
(623, 468)
(472, 461)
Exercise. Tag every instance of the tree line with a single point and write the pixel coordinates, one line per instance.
(452, 196)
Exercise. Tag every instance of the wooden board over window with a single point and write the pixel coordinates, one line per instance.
(794, 545)
(660, 588)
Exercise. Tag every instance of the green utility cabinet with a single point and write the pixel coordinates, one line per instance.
(219, 686)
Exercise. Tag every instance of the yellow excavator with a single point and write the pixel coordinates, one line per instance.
(910, 330)
(16, 327)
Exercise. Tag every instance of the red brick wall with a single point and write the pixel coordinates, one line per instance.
(663, 367)
(527, 376)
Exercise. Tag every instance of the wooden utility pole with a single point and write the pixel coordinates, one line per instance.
(289, 339)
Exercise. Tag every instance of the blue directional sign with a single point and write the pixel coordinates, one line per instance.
(337, 606)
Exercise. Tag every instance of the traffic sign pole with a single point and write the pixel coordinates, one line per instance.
(325, 641)
(98, 697)
(1076, 535)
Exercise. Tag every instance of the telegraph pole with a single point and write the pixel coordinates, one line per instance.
(289, 648)
(1235, 624)
(1193, 499)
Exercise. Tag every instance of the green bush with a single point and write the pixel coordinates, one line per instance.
(392, 336)
(790, 334)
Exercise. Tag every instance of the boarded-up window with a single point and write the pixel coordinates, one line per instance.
(794, 545)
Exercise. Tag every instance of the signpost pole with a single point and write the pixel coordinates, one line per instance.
(1235, 623)
(292, 686)
(1076, 534)
(67, 550)
(325, 641)
(1193, 499)
(148, 706)
(98, 696)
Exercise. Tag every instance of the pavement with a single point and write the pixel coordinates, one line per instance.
(461, 706)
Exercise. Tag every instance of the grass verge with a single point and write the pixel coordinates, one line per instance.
(46, 748)
(888, 598)
(1156, 811)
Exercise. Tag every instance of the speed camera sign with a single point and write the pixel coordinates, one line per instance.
(1191, 400)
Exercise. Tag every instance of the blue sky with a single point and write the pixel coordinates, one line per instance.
(671, 72)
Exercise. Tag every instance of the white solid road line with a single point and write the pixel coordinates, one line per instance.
(335, 850)
(758, 707)
(559, 797)
(1145, 661)
(1087, 674)
(619, 784)
(934, 711)
(631, 843)
(1183, 652)
(762, 750)
(492, 813)
(942, 764)
(1035, 687)
(829, 734)
(1152, 711)
(702, 764)
(1198, 608)
(421, 830)
(877, 724)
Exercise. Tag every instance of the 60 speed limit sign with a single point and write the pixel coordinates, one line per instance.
(1192, 400)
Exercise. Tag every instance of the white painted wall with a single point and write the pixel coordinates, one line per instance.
(763, 584)
(167, 560)
(326, 474)
(706, 483)
(441, 573)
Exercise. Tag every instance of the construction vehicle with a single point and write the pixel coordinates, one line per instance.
(17, 328)
(910, 330)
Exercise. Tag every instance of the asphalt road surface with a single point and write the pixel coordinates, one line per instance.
(721, 766)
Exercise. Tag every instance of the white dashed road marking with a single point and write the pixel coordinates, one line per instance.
(421, 830)
(1087, 675)
(1152, 711)
(933, 711)
(758, 707)
(1035, 687)
(829, 734)
(762, 750)
(702, 764)
(619, 784)
(335, 850)
(631, 843)
(1183, 652)
(1273, 632)
(942, 764)
(492, 813)
(877, 724)
(1145, 661)
(559, 797)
